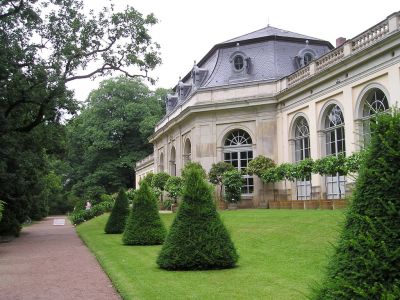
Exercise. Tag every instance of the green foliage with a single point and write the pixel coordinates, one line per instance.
(159, 180)
(174, 187)
(80, 216)
(271, 175)
(45, 44)
(166, 204)
(303, 168)
(367, 259)
(149, 178)
(217, 170)
(233, 182)
(144, 226)
(110, 136)
(130, 194)
(353, 162)
(1, 209)
(197, 239)
(193, 165)
(285, 171)
(330, 165)
(259, 164)
(117, 220)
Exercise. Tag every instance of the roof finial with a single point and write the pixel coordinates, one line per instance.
(194, 62)
(267, 21)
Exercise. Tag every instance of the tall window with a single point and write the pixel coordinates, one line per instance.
(238, 152)
(161, 164)
(187, 151)
(302, 151)
(374, 102)
(172, 162)
(301, 139)
(335, 144)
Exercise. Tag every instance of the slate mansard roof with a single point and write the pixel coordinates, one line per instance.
(270, 31)
(267, 54)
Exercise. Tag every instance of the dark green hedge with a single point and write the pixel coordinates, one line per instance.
(81, 216)
(197, 239)
(144, 226)
(366, 264)
(117, 220)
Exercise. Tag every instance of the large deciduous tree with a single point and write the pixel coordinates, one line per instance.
(111, 135)
(44, 44)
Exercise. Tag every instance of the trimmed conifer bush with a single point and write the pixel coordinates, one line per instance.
(144, 225)
(117, 220)
(366, 263)
(198, 240)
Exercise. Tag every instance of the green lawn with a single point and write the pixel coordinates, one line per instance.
(282, 256)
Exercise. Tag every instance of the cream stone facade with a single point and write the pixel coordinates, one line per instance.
(319, 107)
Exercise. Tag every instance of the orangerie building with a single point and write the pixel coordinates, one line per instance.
(283, 95)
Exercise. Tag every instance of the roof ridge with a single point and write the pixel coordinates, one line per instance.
(284, 33)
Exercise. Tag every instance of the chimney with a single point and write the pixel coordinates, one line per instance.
(340, 41)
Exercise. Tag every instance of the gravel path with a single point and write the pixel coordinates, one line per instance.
(51, 262)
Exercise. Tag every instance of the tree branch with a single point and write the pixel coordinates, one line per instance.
(16, 10)
(105, 67)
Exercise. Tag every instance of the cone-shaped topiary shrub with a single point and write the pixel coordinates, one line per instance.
(366, 264)
(198, 239)
(144, 226)
(119, 213)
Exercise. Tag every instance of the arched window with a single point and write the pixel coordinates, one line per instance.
(334, 131)
(238, 137)
(302, 151)
(187, 151)
(172, 162)
(238, 152)
(374, 102)
(161, 162)
(301, 139)
(335, 144)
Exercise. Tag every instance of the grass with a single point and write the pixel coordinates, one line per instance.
(282, 256)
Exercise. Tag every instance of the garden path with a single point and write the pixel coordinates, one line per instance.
(51, 262)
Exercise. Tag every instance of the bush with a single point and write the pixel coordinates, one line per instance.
(174, 187)
(159, 180)
(149, 178)
(117, 220)
(259, 164)
(9, 224)
(197, 240)
(144, 225)
(366, 263)
(193, 165)
(1, 209)
(217, 170)
(78, 217)
(233, 182)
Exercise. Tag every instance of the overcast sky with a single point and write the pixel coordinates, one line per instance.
(187, 30)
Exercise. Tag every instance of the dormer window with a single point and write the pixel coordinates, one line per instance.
(198, 76)
(238, 62)
(241, 63)
(307, 58)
